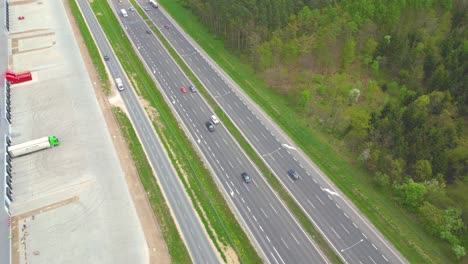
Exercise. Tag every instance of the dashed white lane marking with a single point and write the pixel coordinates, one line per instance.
(385, 258)
(242, 200)
(337, 206)
(248, 209)
(345, 228)
(279, 255)
(364, 235)
(374, 246)
(254, 218)
(313, 206)
(329, 197)
(230, 164)
(335, 232)
(319, 200)
(264, 212)
(372, 260)
(273, 208)
(261, 228)
(295, 239)
(271, 253)
(346, 215)
(268, 238)
(284, 242)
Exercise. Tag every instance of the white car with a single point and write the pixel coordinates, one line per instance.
(214, 119)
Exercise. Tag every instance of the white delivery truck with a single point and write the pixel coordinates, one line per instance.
(33, 146)
(124, 12)
(119, 84)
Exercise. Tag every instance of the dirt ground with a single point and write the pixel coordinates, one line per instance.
(157, 248)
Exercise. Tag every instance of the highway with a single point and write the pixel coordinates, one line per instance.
(352, 236)
(197, 241)
(273, 230)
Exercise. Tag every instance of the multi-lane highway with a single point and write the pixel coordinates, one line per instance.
(197, 241)
(352, 236)
(275, 232)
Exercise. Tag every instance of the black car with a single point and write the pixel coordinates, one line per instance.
(246, 177)
(210, 126)
(293, 174)
(106, 58)
(148, 31)
(192, 88)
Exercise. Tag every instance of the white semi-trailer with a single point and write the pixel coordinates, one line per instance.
(154, 3)
(33, 146)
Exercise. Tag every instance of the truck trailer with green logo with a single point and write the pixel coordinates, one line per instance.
(33, 146)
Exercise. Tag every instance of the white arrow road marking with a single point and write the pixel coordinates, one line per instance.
(287, 146)
(329, 191)
(362, 239)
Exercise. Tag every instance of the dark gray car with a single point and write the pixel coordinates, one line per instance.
(246, 177)
(210, 126)
(293, 174)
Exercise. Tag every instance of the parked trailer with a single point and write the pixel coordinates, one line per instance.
(154, 3)
(124, 12)
(33, 146)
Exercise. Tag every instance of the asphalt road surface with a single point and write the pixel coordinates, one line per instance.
(195, 237)
(352, 236)
(278, 236)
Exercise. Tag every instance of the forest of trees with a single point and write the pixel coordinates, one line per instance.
(387, 77)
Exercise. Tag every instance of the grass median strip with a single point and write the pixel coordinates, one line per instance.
(175, 245)
(220, 223)
(91, 46)
(392, 221)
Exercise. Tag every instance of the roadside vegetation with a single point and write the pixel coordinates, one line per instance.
(219, 222)
(172, 238)
(91, 47)
(372, 92)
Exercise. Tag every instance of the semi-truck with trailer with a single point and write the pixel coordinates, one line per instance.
(119, 84)
(154, 3)
(33, 146)
(124, 12)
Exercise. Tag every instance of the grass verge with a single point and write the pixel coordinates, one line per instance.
(175, 245)
(272, 180)
(395, 223)
(91, 47)
(210, 205)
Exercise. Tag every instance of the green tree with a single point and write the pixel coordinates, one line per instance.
(381, 179)
(459, 251)
(411, 194)
(432, 217)
(348, 54)
(422, 170)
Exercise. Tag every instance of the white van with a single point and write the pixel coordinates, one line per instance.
(124, 12)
